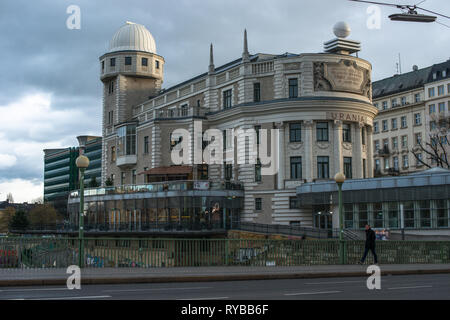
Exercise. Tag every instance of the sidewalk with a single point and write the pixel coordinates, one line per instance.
(22, 277)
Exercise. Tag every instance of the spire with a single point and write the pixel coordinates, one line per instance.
(211, 60)
(245, 54)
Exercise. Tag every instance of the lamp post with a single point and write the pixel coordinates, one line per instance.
(82, 162)
(340, 178)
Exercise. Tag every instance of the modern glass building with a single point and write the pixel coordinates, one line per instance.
(61, 174)
(416, 201)
(160, 206)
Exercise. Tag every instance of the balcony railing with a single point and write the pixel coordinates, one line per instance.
(182, 185)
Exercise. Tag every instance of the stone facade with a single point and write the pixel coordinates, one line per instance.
(269, 91)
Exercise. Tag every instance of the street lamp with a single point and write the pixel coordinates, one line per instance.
(82, 162)
(340, 178)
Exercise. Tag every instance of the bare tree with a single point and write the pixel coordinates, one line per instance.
(437, 149)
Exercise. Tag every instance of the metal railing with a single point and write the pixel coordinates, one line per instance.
(154, 253)
(181, 185)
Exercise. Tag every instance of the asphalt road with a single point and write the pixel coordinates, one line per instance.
(409, 287)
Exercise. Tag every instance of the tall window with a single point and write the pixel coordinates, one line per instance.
(113, 154)
(144, 62)
(295, 132)
(323, 171)
(417, 119)
(364, 168)
(110, 117)
(184, 110)
(258, 204)
(385, 105)
(418, 137)
(442, 107)
(322, 131)
(128, 61)
(256, 92)
(376, 129)
(432, 108)
(385, 125)
(122, 178)
(157, 64)
(394, 143)
(363, 135)
(393, 123)
(346, 132)
(126, 140)
(377, 165)
(227, 99)
(431, 92)
(257, 130)
(133, 175)
(258, 170)
(403, 122)
(395, 163)
(296, 167)
(146, 144)
(403, 101)
(228, 171)
(417, 97)
(112, 62)
(404, 141)
(405, 161)
(440, 90)
(348, 167)
(293, 88)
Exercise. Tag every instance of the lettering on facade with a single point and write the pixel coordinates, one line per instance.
(345, 116)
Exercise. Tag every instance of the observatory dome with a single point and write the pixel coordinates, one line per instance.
(132, 36)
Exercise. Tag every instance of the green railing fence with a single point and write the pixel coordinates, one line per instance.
(156, 253)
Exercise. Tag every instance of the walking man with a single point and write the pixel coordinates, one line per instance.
(370, 245)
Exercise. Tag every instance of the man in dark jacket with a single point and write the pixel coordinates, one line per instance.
(370, 245)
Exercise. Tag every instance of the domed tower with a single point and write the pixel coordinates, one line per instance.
(131, 72)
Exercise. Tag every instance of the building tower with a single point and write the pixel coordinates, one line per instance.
(131, 72)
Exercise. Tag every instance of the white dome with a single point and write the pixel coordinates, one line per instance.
(132, 36)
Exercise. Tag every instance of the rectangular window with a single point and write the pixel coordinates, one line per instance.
(258, 171)
(395, 163)
(394, 143)
(403, 101)
(258, 204)
(295, 132)
(377, 145)
(404, 124)
(386, 164)
(228, 171)
(346, 132)
(257, 92)
(257, 131)
(375, 127)
(425, 213)
(128, 61)
(417, 119)
(441, 90)
(419, 159)
(122, 178)
(293, 203)
(433, 125)
(393, 123)
(184, 110)
(417, 97)
(157, 64)
(323, 171)
(144, 62)
(394, 102)
(363, 136)
(442, 107)
(418, 138)
(404, 141)
(385, 125)
(293, 88)
(113, 154)
(112, 62)
(146, 145)
(348, 167)
(103, 65)
(227, 99)
(385, 105)
(377, 165)
(430, 92)
(405, 161)
(133, 177)
(296, 167)
(432, 108)
(322, 131)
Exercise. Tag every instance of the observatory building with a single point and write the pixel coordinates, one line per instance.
(319, 102)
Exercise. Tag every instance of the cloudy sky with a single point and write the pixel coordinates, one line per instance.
(49, 85)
